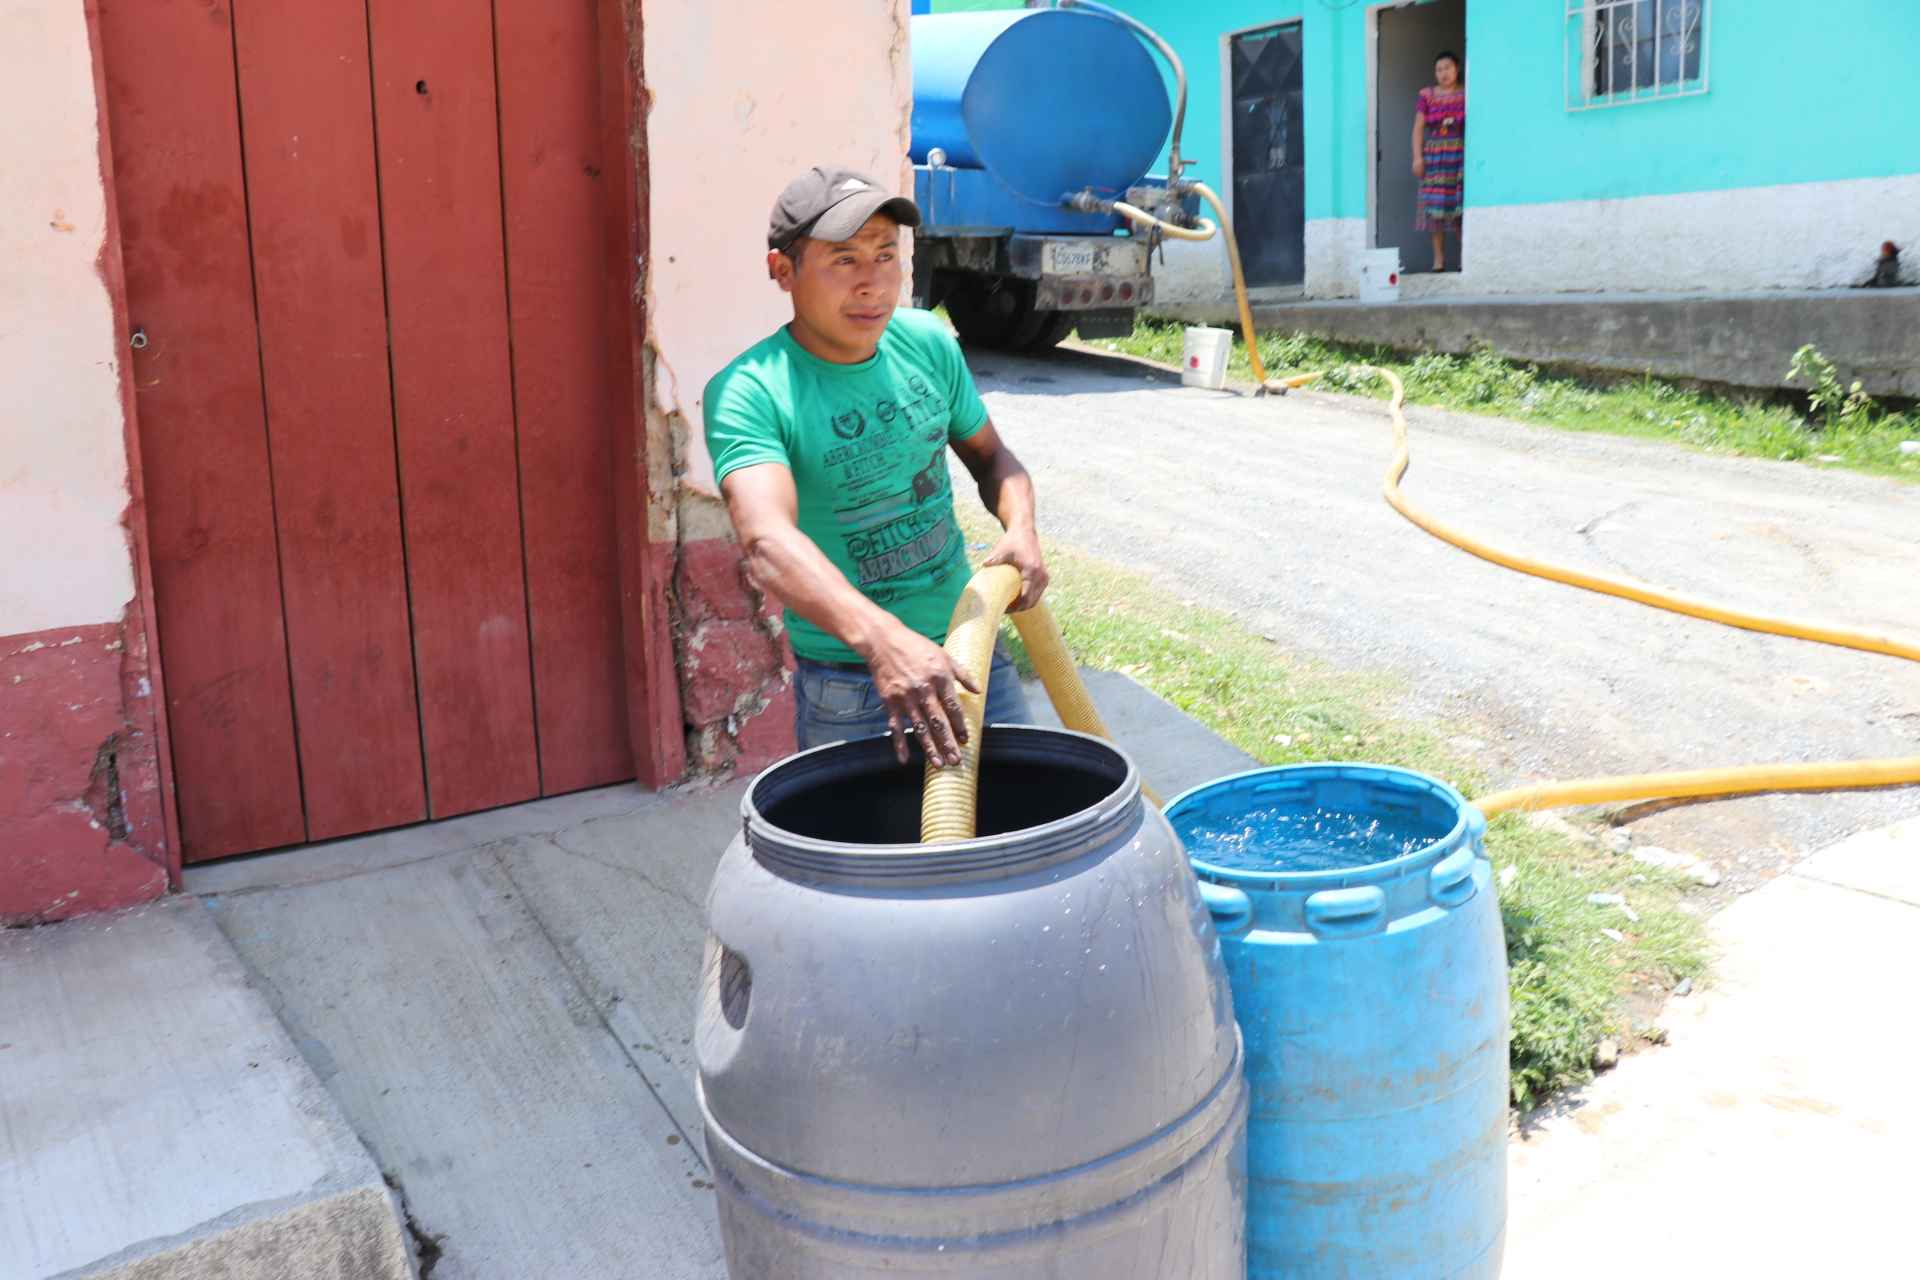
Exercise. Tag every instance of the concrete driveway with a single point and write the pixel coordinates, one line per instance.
(1271, 508)
(1774, 1137)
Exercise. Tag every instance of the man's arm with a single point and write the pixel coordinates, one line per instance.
(913, 675)
(1007, 490)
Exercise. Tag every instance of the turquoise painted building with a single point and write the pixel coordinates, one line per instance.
(1612, 145)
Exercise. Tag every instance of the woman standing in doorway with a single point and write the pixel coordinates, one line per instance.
(1439, 153)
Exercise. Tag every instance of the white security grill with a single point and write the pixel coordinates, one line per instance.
(1621, 51)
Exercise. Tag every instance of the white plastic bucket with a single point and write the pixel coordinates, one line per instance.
(1379, 275)
(1205, 361)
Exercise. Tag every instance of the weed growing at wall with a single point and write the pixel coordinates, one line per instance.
(1828, 402)
(1568, 975)
(1844, 427)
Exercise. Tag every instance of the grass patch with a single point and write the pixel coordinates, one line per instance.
(1567, 977)
(1846, 428)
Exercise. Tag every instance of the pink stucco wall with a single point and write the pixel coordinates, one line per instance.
(63, 461)
(746, 95)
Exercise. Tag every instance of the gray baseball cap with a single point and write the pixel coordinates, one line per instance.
(828, 202)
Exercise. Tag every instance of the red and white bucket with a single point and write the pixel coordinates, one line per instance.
(1204, 362)
(1379, 275)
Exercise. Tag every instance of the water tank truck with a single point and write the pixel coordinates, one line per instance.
(1032, 134)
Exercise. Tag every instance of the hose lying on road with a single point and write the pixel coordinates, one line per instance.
(950, 796)
(1821, 776)
(948, 809)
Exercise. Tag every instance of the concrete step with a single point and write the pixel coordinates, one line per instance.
(157, 1123)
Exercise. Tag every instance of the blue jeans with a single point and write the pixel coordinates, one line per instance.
(830, 705)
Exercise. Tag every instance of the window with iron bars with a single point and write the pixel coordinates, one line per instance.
(1621, 51)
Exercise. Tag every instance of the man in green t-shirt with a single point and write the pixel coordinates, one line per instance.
(829, 440)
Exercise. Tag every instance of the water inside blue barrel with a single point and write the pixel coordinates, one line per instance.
(1288, 838)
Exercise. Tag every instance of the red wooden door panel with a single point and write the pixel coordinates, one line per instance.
(183, 223)
(367, 245)
(556, 280)
(439, 161)
(305, 96)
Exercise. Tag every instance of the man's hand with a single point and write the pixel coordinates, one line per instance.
(920, 688)
(1021, 549)
(1007, 491)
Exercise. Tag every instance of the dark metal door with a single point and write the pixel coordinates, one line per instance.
(1269, 156)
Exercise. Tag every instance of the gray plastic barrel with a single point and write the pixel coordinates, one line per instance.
(1012, 1056)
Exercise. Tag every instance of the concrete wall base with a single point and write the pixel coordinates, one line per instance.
(736, 668)
(79, 774)
(1739, 340)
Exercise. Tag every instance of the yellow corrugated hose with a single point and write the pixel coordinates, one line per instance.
(950, 798)
(1065, 689)
(1239, 281)
(1822, 776)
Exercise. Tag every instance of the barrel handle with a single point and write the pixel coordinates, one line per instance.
(1347, 913)
(1450, 883)
(1231, 908)
(1476, 828)
(735, 987)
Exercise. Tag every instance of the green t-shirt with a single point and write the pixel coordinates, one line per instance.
(867, 445)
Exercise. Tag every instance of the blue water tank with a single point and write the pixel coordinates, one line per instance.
(1047, 101)
(1373, 1001)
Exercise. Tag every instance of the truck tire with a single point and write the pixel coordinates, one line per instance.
(998, 314)
(1058, 325)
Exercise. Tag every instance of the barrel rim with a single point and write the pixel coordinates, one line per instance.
(1464, 831)
(1009, 853)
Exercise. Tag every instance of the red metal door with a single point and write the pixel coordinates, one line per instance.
(374, 401)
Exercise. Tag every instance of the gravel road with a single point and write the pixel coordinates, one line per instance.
(1271, 508)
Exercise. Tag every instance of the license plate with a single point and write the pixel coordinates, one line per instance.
(1066, 259)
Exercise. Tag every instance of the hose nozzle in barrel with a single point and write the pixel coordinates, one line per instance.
(950, 803)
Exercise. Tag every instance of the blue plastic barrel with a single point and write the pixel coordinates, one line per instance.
(1373, 1001)
(1047, 101)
